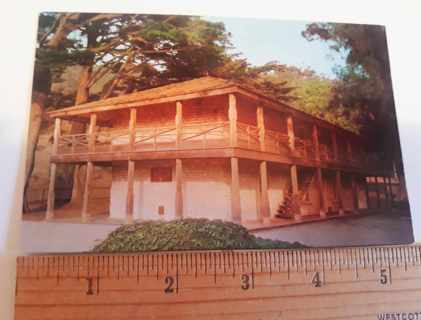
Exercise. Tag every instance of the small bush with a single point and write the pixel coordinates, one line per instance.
(186, 234)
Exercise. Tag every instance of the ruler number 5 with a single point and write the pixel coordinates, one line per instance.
(383, 276)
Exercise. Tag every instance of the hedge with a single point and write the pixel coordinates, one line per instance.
(185, 234)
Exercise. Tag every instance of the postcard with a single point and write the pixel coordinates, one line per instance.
(169, 132)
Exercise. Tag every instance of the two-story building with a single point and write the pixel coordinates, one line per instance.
(213, 148)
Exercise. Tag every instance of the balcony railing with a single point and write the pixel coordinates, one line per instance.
(199, 136)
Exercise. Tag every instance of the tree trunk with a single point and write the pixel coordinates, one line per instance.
(82, 93)
(82, 96)
(35, 121)
(62, 29)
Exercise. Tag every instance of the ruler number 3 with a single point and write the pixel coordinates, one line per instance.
(245, 282)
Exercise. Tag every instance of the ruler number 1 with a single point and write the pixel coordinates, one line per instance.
(90, 291)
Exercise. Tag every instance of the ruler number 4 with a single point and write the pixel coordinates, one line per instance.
(316, 281)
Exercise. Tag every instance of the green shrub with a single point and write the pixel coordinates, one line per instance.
(185, 234)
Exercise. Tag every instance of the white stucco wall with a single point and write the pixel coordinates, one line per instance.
(347, 195)
(249, 190)
(148, 196)
(278, 181)
(206, 190)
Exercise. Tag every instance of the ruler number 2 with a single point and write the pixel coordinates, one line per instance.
(169, 281)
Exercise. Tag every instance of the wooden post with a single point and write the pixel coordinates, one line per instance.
(235, 191)
(319, 176)
(338, 182)
(130, 190)
(355, 195)
(367, 193)
(232, 116)
(376, 181)
(51, 192)
(295, 190)
(349, 149)
(264, 199)
(261, 127)
(335, 145)
(178, 189)
(56, 135)
(178, 123)
(132, 129)
(85, 201)
(315, 136)
(53, 168)
(386, 192)
(389, 180)
(91, 133)
(291, 134)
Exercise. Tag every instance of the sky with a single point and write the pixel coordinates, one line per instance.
(261, 41)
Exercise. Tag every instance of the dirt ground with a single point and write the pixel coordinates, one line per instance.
(376, 229)
(392, 228)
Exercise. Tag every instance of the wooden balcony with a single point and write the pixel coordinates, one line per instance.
(200, 137)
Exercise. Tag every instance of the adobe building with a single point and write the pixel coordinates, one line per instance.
(213, 148)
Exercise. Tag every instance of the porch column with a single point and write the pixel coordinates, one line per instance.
(261, 127)
(178, 189)
(367, 192)
(235, 191)
(291, 134)
(389, 182)
(338, 183)
(53, 168)
(232, 116)
(386, 192)
(85, 200)
(51, 192)
(130, 190)
(92, 132)
(264, 199)
(334, 145)
(178, 123)
(295, 191)
(349, 149)
(355, 197)
(315, 136)
(376, 181)
(319, 179)
(132, 128)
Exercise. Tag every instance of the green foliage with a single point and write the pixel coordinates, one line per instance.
(186, 234)
(256, 77)
(364, 86)
(313, 94)
(131, 52)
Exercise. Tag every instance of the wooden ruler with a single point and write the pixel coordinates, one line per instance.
(343, 283)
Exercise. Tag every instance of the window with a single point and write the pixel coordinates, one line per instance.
(161, 174)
